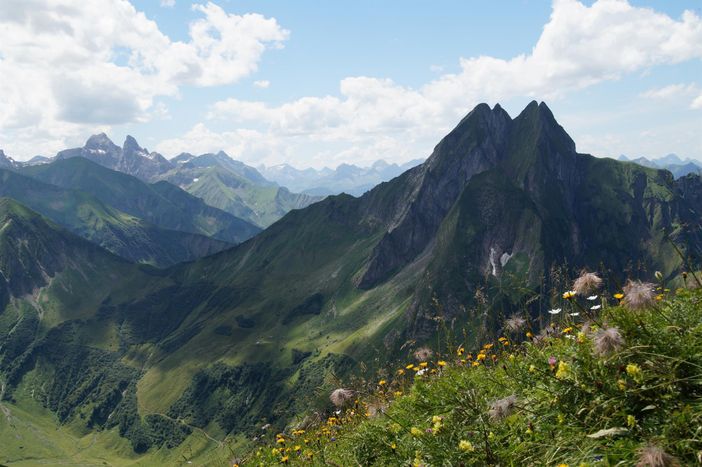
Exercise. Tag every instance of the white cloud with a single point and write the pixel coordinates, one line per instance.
(70, 66)
(667, 92)
(580, 46)
(697, 102)
(167, 3)
(263, 84)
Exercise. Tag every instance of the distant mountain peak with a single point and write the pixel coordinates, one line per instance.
(99, 140)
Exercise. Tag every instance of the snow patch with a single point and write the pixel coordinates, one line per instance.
(504, 258)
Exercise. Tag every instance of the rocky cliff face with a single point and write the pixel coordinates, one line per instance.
(131, 158)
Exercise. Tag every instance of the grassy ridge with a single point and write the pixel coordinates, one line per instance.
(565, 397)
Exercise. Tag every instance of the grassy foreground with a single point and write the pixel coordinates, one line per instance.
(607, 383)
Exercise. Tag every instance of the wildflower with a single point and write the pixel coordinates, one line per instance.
(421, 372)
(339, 397)
(441, 363)
(582, 338)
(552, 361)
(631, 421)
(410, 366)
(562, 465)
(654, 456)
(567, 330)
(488, 346)
(529, 335)
(476, 363)
(563, 370)
(638, 295)
(502, 408)
(587, 283)
(532, 369)
(284, 459)
(569, 294)
(555, 311)
(481, 356)
(423, 365)
(574, 314)
(401, 371)
(459, 351)
(607, 341)
(633, 370)
(595, 307)
(382, 382)
(416, 431)
(397, 393)
(438, 423)
(393, 446)
(618, 296)
(514, 324)
(423, 354)
(592, 298)
(621, 384)
(466, 446)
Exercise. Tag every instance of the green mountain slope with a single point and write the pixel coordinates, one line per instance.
(233, 187)
(161, 204)
(499, 217)
(123, 234)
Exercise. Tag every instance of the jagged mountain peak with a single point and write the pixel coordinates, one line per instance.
(101, 141)
(130, 144)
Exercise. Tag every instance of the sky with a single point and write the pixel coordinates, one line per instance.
(319, 83)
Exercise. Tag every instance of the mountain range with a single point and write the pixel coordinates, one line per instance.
(346, 178)
(672, 162)
(498, 218)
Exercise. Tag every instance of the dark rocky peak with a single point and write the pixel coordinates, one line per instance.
(101, 142)
(6, 162)
(474, 146)
(131, 145)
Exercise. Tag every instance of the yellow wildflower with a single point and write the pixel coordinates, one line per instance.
(532, 369)
(481, 356)
(633, 370)
(416, 431)
(529, 334)
(441, 363)
(475, 364)
(563, 370)
(459, 351)
(284, 459)
(622, 384)
(423, 364)
(569, 294)
(568, 330)
(401, 371)
(382, 382)
(397, 393)
(631, 421)
(466, 446)
(488, 346)
(618, 296)
(410, 366)
(582, 338)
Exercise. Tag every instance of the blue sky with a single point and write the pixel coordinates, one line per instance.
(322, 83)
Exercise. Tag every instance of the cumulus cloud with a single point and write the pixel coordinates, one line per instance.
(580, 46)
(167, 3)
(263, 84)
(70, 66)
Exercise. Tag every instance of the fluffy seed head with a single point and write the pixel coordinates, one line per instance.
(607, 341)
(514, 323)
(339, 397)
(423, 354)
(587, 283)
(638, 295)
(654, 456)
(502, 408)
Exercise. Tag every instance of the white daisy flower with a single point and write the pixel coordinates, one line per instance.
(574, 314)
(555, 311)
(596, 307)
(592, 297)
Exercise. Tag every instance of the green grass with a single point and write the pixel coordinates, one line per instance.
(571, 405)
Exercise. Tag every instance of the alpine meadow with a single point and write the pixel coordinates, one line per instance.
(361, 237)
